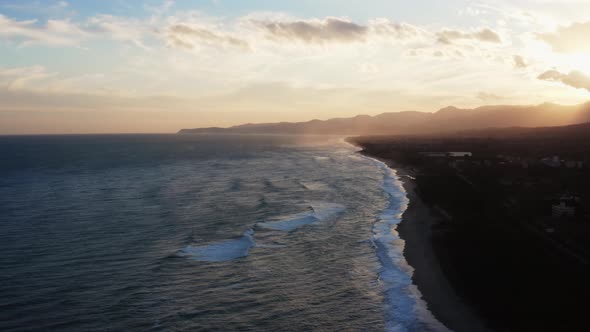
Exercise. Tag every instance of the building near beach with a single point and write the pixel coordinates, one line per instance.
(565, 207)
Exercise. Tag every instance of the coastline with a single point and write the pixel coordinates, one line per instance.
(416, 230)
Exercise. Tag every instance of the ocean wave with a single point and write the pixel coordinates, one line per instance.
(406, 310)
(317, 212)
(221, 251)
(231, 249)
(270, 246)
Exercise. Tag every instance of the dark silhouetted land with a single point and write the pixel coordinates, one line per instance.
(446, 120)
(511, 220)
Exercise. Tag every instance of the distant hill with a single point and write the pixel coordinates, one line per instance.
(446, 120)
(577, 132)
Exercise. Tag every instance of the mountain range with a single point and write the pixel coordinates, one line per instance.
(447, 120)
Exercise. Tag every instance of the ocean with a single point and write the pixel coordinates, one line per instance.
(201, 233)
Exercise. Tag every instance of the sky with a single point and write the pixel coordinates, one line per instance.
(122, 66)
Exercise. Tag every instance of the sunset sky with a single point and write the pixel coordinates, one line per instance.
(82, 66)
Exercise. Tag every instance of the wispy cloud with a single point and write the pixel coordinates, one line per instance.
(186, 36)
(569, 39)
(519, 61)
(22, 78)
(489, 97)
(119, 28)
(334, 30)
(54, 32)
(38, 7)
(484, 35)
(330, 29)
(576, 79)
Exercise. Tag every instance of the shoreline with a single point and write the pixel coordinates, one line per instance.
(416, 231)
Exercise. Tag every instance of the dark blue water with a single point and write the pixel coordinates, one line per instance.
(197, 233)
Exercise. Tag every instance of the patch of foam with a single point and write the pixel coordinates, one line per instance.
(318, 212)
(406, 310)
(221, 251)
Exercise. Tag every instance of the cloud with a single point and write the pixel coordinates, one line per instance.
(118, 28)
(54, 32)
(488, 97)
(184, 36)
(487, 35)
(22, 78)
(189, 30)
(570, 39)
(335, 30)
(162, 8)
(484, 35)
(519, 62)
(38, 8)
(575, 79)
(400, 31)
(67, 33)
(330, 29)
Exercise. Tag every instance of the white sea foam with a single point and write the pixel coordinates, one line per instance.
(221, 251)
(318, 212)
(406, 310)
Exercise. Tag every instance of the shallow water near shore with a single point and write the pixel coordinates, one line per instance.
(195, 233)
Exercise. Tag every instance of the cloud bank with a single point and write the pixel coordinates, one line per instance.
(244, 34)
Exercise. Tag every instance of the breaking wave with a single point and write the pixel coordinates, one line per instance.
(317, 212)
(221, 251)
(231, 249)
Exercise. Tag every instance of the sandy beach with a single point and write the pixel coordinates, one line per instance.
(416, 230)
